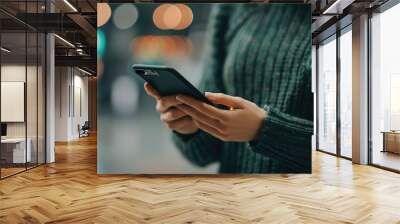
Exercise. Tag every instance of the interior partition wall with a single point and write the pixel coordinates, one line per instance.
(22, 101)
(334, 93)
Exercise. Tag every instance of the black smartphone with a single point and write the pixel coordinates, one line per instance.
(167, 81)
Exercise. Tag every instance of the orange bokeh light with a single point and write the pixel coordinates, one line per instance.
(187, 17)
(103, 13)
(160, 47)
(173, 16)
(158, 16)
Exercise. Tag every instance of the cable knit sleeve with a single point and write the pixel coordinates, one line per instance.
(201, 148)
(286, 137)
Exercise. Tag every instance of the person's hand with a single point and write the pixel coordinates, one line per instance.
(173, 117)
(241, 123)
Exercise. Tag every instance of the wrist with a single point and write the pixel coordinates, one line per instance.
(188, 132)
(260, 127)
(263, 117)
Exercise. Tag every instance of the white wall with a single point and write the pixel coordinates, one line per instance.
(62, 81)
(13, 72)
(70, 83)
(79, 117)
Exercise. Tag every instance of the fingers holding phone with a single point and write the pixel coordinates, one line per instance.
(151, 91)
(241, 123)
(163, 103)
(170, 115)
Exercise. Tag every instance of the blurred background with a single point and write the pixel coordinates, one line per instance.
(131, 137)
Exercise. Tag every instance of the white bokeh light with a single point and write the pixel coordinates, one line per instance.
(125, 16)
(124, 95)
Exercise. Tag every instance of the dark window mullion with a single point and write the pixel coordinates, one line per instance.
(317, 96)
(369, 91)
(26, 87)
(338, 81)
(37, 91)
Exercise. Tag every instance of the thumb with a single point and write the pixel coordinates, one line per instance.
(230, 101)
(151, 91)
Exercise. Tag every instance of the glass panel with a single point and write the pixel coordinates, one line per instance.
(327, 96)
(31, 100)
(385, 84)
(31, 86)
(346, 94)
(13, 87)
(22, 88)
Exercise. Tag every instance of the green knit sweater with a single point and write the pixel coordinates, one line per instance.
(263, 54)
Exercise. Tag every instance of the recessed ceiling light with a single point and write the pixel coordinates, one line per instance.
(70, 5)
(5, 49)
(64, 40)
(337, 7)
(84, 71)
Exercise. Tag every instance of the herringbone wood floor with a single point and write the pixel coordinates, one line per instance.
(69, 191)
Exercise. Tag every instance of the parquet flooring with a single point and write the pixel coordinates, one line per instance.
(10, 171)
(70, 191)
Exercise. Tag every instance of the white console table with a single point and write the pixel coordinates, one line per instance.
(18, 149)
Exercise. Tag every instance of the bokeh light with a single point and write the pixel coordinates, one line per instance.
(103, 13)
(120, 42)
(151, 47)
(124, 95)
(125, 16)
(101, 43)
(172, 17)
(158, 16)
(186, 18)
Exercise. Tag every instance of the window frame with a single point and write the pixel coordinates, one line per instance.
(333, 37)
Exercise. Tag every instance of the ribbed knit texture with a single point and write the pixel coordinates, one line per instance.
(263, 54)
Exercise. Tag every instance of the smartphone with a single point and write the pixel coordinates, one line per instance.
(167, 81)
